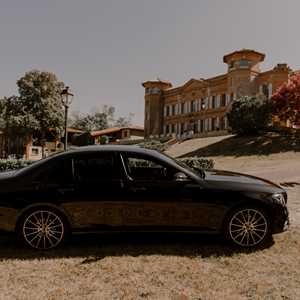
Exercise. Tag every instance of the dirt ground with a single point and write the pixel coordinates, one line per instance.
(178, 266)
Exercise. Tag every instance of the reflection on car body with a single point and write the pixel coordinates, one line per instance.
(127, 188)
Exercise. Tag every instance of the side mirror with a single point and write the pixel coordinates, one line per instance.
(180, 177)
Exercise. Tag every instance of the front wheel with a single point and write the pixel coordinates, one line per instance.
(247, 227)
(42, 229)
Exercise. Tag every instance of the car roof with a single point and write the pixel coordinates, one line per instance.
(112, 148)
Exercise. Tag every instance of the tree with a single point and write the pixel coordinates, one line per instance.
(99, 119)
(124, 121)
(40, 101)
(249, 115)
(286, 100)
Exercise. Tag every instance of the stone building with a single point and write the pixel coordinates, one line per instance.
(198, 107)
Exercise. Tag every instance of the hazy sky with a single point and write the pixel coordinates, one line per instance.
(104, 49)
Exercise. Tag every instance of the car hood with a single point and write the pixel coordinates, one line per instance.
(238, 181)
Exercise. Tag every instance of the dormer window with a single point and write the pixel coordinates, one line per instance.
(244, 63)
(231, 65)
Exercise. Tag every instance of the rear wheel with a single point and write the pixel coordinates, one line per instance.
(42, 229)
(247, 227)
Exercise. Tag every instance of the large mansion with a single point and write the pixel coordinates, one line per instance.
(199, 106)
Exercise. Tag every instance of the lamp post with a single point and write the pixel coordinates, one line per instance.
(66, 100)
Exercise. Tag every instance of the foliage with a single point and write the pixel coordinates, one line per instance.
(193, 162)
(123, 121)
(99, 119)
(104, 139)
(286, 100)
(40, 100)
(249, 115)
(82, 139)
(198, 162)
(13, 164)
(154, 145)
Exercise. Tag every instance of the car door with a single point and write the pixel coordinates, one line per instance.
(159, 201)
(98, 187)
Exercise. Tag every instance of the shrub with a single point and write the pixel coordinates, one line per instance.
(154, 145)
(249, 115)
(198, 162)
(13, 164)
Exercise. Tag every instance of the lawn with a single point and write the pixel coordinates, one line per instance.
(152, 267)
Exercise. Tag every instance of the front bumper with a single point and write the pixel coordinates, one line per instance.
(281, 219)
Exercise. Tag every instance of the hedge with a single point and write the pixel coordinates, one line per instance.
(13, 164)
(197, 162)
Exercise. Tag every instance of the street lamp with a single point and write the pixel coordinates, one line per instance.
(66, 100)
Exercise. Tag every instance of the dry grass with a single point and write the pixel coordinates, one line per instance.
(163, 267)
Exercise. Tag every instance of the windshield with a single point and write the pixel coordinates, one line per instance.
(195, 171)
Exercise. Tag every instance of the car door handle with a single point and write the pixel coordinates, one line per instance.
(139, 189)
(66, 190)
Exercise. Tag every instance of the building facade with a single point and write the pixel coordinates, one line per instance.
(199, 107)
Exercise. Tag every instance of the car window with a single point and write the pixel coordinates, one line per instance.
(141, 167)
(95, 168)
(57, 172)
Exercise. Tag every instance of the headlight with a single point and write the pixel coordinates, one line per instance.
(279, 198)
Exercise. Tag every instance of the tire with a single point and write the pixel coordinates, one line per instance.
(42, 228)
(247, 227)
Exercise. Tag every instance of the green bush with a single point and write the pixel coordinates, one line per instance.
(154, 145)
(193, 162)
(198, 162)
(13, 164)
(250, 115)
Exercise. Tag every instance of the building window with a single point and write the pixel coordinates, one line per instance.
(173, 110)
(244, 63)
(222, 123)
(231, 97)
(193, 106)
(231, 65)
(195, 127)
(202, 104)
(182, 108)
(265, 90)
(213, 124)
(201, 125)
(172, 128)
(167, 110)
(213, 102)
(223, 100)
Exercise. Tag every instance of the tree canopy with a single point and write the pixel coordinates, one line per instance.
(286, 100)
(40, 100)
(99, 119)
(249, 115)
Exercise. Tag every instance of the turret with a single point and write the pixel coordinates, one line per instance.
(243, 67)
(153, 122)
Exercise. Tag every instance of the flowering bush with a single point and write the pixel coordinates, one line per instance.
(286, 100)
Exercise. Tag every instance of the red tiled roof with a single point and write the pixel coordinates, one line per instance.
(114, 129)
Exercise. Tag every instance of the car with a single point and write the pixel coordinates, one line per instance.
(128, 188)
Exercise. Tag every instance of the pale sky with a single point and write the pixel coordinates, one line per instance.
(104, 49)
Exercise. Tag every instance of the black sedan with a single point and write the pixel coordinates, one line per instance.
(127, 188)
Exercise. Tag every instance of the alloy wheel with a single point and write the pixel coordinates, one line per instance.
(43, 229)
(248, 227)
